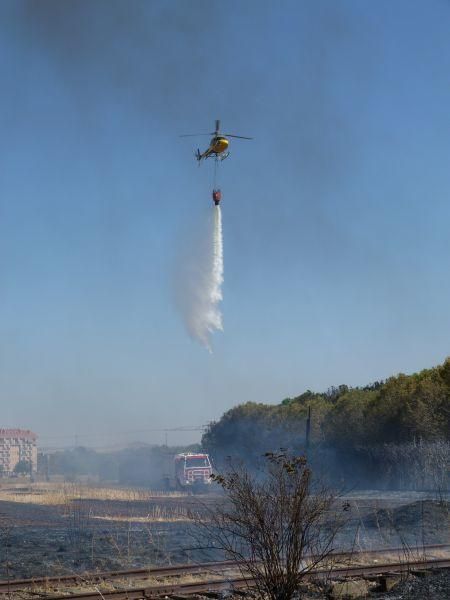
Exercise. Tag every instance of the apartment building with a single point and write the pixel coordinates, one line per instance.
(17, 445)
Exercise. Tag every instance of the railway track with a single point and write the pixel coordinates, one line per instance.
(192, 569)
(91, 579)
(145, 593)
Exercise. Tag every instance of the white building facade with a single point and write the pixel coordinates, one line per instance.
(17, 445)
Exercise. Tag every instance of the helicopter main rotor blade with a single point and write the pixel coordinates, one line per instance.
(241, 137)
(217, 126)
(194, 134)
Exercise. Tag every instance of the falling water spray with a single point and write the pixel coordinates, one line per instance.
(217, 271)
(200, 292)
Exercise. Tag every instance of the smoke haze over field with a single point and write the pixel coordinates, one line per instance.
(335, 214)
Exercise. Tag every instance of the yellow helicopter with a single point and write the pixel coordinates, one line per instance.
(218, 146)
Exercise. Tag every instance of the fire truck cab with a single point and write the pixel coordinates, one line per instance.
(192, 470)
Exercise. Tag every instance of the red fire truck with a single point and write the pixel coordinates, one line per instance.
(192, 470)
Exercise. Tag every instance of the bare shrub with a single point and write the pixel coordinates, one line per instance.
(277, 523)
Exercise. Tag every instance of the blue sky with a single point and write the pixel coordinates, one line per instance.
(336, 217)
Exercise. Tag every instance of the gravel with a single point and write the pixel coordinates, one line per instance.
(433, 587)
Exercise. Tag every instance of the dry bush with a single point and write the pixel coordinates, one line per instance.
(277, 523)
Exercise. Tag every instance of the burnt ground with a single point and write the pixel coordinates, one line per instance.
(51, 540)
(418, 523)
(100, 535)
(396, 519)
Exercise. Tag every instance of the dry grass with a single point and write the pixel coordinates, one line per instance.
(158, 513)
(52, 494)
(81, 499)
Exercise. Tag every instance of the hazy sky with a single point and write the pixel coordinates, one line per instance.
(336, 217)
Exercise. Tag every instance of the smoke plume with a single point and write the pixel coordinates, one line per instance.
(200, 289)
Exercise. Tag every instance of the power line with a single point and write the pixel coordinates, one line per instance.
(185, 428)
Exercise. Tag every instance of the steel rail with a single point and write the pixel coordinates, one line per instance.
(172, 571)
(144, 593)
(22, 584)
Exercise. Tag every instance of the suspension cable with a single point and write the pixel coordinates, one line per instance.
(216, 160)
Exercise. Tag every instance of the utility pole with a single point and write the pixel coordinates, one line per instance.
(308, 431)
(47, 467)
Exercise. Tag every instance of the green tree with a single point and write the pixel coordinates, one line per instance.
(410, 408)
(346, 424)
(23, 467)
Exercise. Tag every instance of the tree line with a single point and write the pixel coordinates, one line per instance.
(383, 431)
